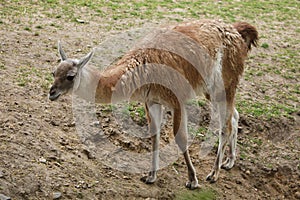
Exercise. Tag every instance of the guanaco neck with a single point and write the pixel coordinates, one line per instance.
(97, 86)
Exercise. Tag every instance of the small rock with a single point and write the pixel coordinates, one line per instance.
(72, 124)
(228, 186)
(63, 142)
(248, 172)
(95, 123)
(285, 45)
(56, 195)
(66, 184)
(266, 169)
(80, 21)
(3, 197)
(70, 148)
(54, 123)
(297, 195)
(42, 160)
(275, 169)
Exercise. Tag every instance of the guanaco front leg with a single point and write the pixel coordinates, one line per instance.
(154, 115)
(225, 135)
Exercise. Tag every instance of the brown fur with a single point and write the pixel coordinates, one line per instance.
(211, 35)
(248, 33)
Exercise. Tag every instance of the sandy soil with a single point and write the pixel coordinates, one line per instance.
(42, 156)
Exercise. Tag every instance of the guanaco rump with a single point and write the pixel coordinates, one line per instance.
(223, 48)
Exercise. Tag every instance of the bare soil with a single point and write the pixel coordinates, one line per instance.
(42, 156)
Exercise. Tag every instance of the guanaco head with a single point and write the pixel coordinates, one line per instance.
(67, 74)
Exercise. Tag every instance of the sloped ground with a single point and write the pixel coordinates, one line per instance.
(42, 156)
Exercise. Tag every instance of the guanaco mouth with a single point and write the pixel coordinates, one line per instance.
(54, 97)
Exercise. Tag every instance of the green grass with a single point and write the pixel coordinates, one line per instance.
(2, 67)
(203, 194)
(108, 108)
(27, 75)
(24, 76)
(201, 131)
(265, 45)
(265, 109)
(136, 111)
(27, 28)
(157, 9)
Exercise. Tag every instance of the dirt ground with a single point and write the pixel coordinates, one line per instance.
(42, 156)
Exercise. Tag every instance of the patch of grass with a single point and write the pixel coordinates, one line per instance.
(27, 28)
(269, 165)
(197, 102)
(2, 66)
(257, 141)
(79, 195)
(108, 108)
(287, 157)
(47, 79)
(39, 27)
(136, 110)
(224, 9)
(23, 76)
(260, 109)
(265, 45)
(201, 103)
(28, 74)
(203, 194)
(197, 132)
(243, 156)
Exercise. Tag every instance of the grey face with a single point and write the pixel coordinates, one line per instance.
(64, 77)
(66, 73)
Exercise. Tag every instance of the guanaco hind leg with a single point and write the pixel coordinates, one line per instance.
(229, 162)
(180, 132)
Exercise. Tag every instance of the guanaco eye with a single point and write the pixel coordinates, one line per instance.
(70, 78)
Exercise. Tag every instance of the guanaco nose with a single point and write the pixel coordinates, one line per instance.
(52, 90)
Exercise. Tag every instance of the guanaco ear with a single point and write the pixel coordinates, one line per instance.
(83, 61)
(61, 52)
